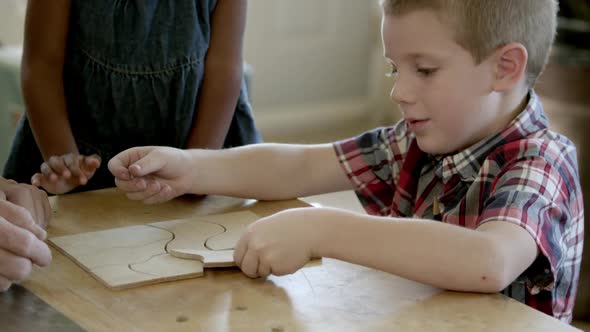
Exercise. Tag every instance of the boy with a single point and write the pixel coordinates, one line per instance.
(473, 151)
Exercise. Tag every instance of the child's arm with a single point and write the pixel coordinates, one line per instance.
(220, 89)
(46, 32)
(435, 253)
(261, 171)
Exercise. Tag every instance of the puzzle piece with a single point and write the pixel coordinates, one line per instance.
(140, 255)
(217, 249)
(209, 258)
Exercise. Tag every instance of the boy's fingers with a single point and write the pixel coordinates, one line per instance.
(118, 171)
(165, 194)
(153, 188)
(151, 163)
(131, 186)
(119, 164)
(250, 264)
(240, 250)
(263, 270)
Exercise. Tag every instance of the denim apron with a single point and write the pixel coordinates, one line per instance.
(132, 74)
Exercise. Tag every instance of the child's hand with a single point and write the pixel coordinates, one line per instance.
(152, 174)
(280, 244)
(61, 174)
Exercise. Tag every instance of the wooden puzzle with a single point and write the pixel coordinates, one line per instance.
(146, 254)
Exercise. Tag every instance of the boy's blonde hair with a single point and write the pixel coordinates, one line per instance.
(483, 26)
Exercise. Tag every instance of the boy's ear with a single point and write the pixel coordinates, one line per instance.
(510, 67)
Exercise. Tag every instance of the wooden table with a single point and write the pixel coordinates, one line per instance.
(329, 295)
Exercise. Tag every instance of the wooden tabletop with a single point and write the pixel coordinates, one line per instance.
(328, 295)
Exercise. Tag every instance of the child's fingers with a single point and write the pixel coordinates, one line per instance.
(151, 163)
(86, 167)
(36, 180)
(118, 168)
(164, 195)
(59, 166)
(119, 164)
(153, 188)
(43, 181)
(93, 161)
(250, 264)
(48, 172)
(72, 163)
(264, 269)
(240, 250)
(130, 186)
(118, 171)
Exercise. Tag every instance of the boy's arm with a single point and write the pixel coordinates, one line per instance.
(450, 257)
(46, 32)
(222, 80)
(262, 171)
(268, 171)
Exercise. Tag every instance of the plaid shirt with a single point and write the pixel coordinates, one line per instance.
(526, 175)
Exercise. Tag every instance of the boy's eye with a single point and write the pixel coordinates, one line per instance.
(426, 71)
(391, 70)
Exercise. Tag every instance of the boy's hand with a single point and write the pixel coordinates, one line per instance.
(152, 174)
(279, 244)
(62, 174)
(29, 197)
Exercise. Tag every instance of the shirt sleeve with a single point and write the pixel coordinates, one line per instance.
(372, 162)
(545, 200)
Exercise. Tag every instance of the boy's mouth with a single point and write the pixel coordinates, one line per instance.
(416, 124)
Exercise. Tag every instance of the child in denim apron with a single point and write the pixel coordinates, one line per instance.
(133, 75)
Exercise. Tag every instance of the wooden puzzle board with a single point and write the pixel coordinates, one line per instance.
(146, 254)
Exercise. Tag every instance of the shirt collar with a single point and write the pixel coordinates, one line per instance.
(467, 163)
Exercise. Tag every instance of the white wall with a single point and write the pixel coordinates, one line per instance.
(307, 51)
(12, 13)
(312, 62)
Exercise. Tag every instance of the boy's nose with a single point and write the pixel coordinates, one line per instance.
(401, 92)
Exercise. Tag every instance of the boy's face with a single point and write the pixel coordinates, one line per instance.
(444, 96)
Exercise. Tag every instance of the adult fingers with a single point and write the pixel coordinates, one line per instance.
(20, 217)
(23, 243)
